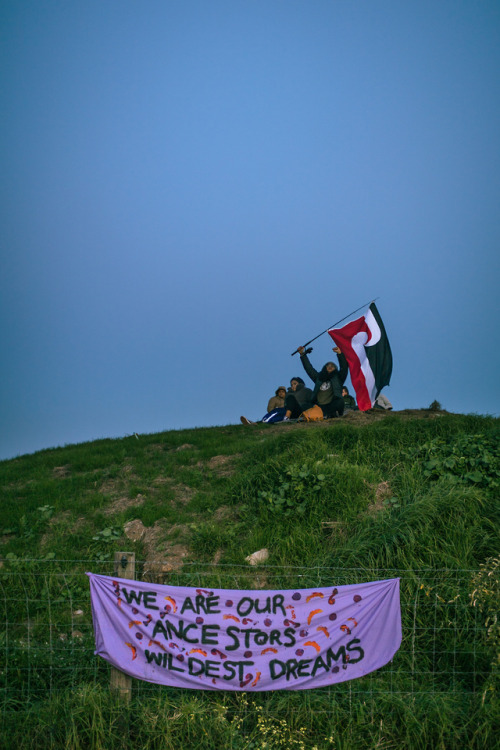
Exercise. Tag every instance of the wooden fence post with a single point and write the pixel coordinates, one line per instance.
(124, 567)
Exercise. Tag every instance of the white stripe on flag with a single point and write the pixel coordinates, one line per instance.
(374, 328)
(358, 345)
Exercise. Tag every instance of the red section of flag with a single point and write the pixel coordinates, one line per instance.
(361, 378)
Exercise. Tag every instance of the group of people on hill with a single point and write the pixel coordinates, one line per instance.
(329, 393)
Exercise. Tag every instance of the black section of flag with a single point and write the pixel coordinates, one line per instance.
(380, 355)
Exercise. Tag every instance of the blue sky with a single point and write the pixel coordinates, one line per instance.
(191, 189)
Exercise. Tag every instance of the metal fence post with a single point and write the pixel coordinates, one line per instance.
(124, 567)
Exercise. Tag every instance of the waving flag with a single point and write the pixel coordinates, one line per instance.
(366, 347)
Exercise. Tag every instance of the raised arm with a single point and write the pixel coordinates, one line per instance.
(343, 368)
(313, 374)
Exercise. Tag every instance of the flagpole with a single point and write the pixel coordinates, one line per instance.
(336, 324)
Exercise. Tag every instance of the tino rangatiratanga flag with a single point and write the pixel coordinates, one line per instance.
(366, 347)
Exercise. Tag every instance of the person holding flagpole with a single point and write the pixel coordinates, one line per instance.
(328, 382)
(365, 346)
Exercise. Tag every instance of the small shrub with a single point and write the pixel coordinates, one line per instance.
(45, 512)
(471, 459)
(295, 487)
(109, 534)
(392, 502)
(435, 406)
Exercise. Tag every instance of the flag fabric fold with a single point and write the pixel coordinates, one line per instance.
(366, 347)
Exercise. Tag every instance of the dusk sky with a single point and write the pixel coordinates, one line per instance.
(193, 188)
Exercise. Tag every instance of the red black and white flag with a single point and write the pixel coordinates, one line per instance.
(366, 347)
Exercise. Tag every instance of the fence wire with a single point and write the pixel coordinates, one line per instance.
(47, 640)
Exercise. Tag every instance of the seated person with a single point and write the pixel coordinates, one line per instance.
(275, 408)
(298, 399)
(382, 402)
(278, 400)
(349, 402)
(327, 383)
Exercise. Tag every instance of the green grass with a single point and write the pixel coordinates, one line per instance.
(344, 502)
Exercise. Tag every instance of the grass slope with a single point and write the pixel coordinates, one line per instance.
(413, 494)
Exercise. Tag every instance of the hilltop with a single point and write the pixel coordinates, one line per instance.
(191, 495)
(412, 494)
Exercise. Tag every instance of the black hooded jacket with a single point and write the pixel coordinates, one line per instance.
(336, 378)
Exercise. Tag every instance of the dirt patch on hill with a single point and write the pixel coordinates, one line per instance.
(164, 548)
(220, 465)
(155, 448)
(183, 493)
(382, 492)
(225, 513)
(123, 503)
(110, 487)
(365, 417)
(117, 486)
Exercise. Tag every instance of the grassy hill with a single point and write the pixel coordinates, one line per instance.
(412, 494)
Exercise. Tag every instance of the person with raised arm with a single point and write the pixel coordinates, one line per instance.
(328, 382)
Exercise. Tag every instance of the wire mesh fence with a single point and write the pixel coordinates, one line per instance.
(47, 640)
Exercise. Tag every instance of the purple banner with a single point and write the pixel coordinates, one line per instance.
(226, 639)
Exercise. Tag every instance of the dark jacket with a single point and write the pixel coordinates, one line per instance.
(349, 402)
(337, 378)
(303, 396)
